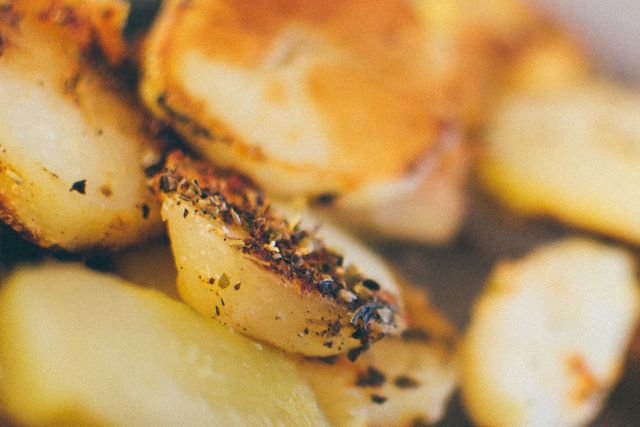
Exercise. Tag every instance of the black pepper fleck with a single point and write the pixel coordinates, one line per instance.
(79, 186)
(405, 381)
(371, 378)
(376, 398)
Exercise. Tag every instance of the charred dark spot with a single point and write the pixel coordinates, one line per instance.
(416, 334)
(79, 186)
(105, 190)
(328, 344)
(371, 378)
(354, 353)
(405, 381)
(376, 398)
(145, 211)
(372, 285)
(325, 199)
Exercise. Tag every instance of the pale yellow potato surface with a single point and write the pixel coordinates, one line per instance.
(79, 347)
(572, 154)
(73, 146)
(548, 337)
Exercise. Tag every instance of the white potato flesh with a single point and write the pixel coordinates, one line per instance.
(297, 293)
(548, 338)
(73, 147)
(399, 381)
(572, 154)
(79, 347)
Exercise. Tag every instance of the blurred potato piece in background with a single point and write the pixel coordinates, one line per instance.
(572, 153)
(552, 62)
(79, 347)
(424, 210)
(325, 100)
(73, 146)
(548, 338)
(248, 263)
(399, 381)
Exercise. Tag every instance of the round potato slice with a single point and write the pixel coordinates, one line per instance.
(348, 101)
(73, 145)
(572, 154)
(79, 347)
(240, 259)
(548, 338)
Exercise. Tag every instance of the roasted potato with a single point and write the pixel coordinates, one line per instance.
(572, 154)
(399, 381)
(241, 259)
(73, 145)
(308, 99)
(84, 348)
(548, 338)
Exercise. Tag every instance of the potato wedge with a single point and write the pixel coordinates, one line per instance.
(548, 338)
(400, 381)
(73, 145)
(84, 348)
(572, 154)
(242, 261)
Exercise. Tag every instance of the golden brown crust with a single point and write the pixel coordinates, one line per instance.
(370, 82)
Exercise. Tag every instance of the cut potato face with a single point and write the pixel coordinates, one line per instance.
(242, 261)
(83, 348)
(548, 338)
(571, 154)
(305, 98)
(400, 381)
(73, 146)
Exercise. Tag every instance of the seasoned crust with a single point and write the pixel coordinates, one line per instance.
(357, 308)
(325, 89)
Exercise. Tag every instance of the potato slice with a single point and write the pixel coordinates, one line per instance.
(573, 154)
(548, 338)
(84, 348)
(73, 146)
(294, 96)
(300, 102)
(400, 381)
(242, 261)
